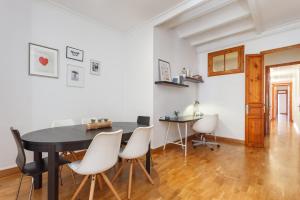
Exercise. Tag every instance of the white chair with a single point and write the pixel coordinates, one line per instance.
(136, 147)
(101, 155)
(88, 120)
(206, 126)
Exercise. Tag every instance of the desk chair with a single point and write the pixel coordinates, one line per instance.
(29, 169)
(206, 126)
(101, 155)
(136, 147)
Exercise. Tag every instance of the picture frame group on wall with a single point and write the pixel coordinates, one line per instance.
(74, 54)
(43, 61)
(164, 70)
(75, 76)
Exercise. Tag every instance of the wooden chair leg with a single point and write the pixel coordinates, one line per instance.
(92, 189)
(118, 173)
(111, 187)
(80, 187)
(99, 178)
(145, 171)
(130, 179)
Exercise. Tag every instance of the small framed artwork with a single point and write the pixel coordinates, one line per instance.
(74, 54)
(43, 61)
(164, 70)
(75, 76)
(95, 67)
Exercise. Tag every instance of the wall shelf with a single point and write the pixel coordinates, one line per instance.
(167, 83)
(194, 80)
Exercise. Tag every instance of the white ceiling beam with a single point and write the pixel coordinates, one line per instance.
(175, 11)
(212, 20)
(222, 32)
(255, 13)
(197, 12)
(227, 42)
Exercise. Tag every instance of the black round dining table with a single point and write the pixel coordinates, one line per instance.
(68, 138)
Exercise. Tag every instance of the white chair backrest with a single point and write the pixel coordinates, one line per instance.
(64, 122)
(138, 143)
(207, 124)
(102, 153)
(87, 120)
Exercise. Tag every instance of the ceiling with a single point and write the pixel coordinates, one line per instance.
(206, 25)
(216, 22)
(119, 14)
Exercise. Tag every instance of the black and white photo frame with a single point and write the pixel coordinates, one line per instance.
(75, 76)
(74, 54)
(95, 67)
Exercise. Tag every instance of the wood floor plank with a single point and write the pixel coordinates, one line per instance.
(231, 172)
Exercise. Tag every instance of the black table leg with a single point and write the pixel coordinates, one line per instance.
(148, 160)
(37, 156)
(52, 173)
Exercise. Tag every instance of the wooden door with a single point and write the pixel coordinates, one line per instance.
(254, 133)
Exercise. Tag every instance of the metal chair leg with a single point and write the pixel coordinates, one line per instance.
(20, 183)
(31, 188)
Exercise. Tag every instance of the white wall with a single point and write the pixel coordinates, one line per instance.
(226, 94)
(15, 85)
(179, 53)
(282, 103)
(138, 73)
(29, 102)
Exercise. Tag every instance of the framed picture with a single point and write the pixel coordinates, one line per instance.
(43, 61)
(164, 70)
(75, 76)
(95, 67)
(74, 54)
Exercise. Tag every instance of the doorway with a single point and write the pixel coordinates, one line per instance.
(259, 94)
(281, 101)
(281, 61)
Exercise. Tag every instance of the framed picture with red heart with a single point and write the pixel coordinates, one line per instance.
(43, 61)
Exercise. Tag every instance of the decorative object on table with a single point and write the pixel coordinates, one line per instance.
(101, 123)
(175, 79)
(95, 67)
(184, 71)
(181, 79)
(43, 61)
(74, 54)
(176, 113)
(196, 112)
(164, 70)
(75, 76)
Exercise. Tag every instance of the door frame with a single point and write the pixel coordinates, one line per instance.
(289, 99)
(267, 79)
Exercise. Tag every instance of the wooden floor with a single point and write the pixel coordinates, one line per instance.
(233, 172)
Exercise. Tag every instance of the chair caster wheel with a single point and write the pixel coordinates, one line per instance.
(211, 149)
(218, 146)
